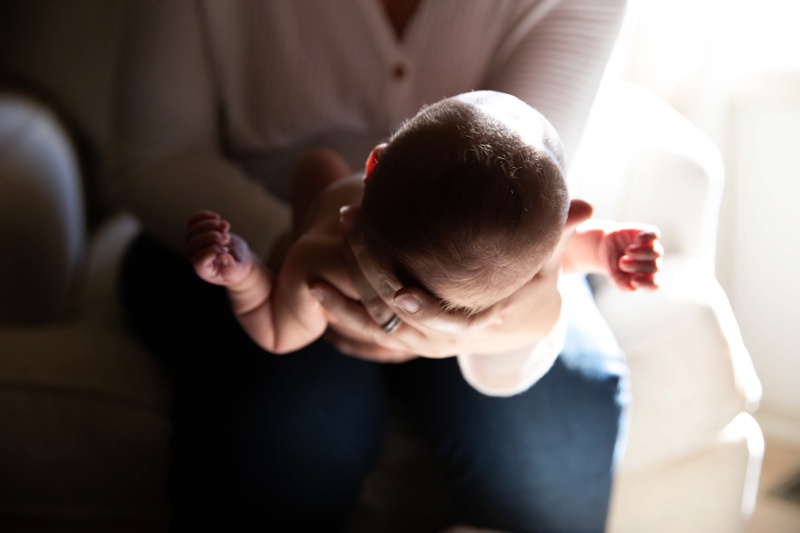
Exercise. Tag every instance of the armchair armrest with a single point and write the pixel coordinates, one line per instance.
(42, 224)
(98, 298)
(692, 379)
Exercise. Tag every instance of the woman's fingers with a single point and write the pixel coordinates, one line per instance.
(377, 289)
(369, 351)
(351, 318)
(374, 286)
(427, 328)
(358, 262)
(424, 310)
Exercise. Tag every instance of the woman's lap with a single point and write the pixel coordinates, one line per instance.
(257, 435)
(538, 461)
(258, 440)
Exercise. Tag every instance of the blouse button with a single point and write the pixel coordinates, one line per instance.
(399, 71)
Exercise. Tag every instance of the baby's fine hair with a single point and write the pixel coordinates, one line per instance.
(462, 204)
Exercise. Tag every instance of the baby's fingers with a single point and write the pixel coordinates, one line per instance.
(201, 216)
(630, 265)
(648, 236)
(206, 231)
(222, 227)
(639, 274)
(645, 281)
(642, 253)
(207, 261)
(647, 248)
(207, 240)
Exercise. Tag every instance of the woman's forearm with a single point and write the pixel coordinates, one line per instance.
(167, 162)
(555, 58)
(164, 192)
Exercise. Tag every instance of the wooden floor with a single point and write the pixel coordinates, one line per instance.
(774, 513)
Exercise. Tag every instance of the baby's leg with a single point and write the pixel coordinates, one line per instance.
(314, 172)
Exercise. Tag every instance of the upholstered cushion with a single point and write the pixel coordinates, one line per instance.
(41, 212)
(712, 490)
(83, 412)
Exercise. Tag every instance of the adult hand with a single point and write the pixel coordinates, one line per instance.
(330, 258)
(520, 320)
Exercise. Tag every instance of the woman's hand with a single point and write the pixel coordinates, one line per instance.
(426, 330)
(520, 320)
(329, 257)
(321, 259)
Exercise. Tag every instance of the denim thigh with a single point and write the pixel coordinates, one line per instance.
(541, 460)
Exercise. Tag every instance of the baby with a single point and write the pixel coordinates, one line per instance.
(468, 201)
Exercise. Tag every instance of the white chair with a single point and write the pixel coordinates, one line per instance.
(694, 452)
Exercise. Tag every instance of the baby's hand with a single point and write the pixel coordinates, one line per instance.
(218, 256)
(633, 255)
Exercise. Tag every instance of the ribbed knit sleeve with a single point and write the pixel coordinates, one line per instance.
(168, 160)
(554, 58)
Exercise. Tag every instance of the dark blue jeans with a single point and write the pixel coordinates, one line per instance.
(283, 443)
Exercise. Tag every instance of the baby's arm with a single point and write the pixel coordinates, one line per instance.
(223, 258)
(630, 253)
(314, 172)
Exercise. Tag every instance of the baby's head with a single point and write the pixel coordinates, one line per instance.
(467, 200)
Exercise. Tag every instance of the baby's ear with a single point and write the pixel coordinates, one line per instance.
(372, 160)
(579, 211)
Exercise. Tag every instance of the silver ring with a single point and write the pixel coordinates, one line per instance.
(392, 324)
